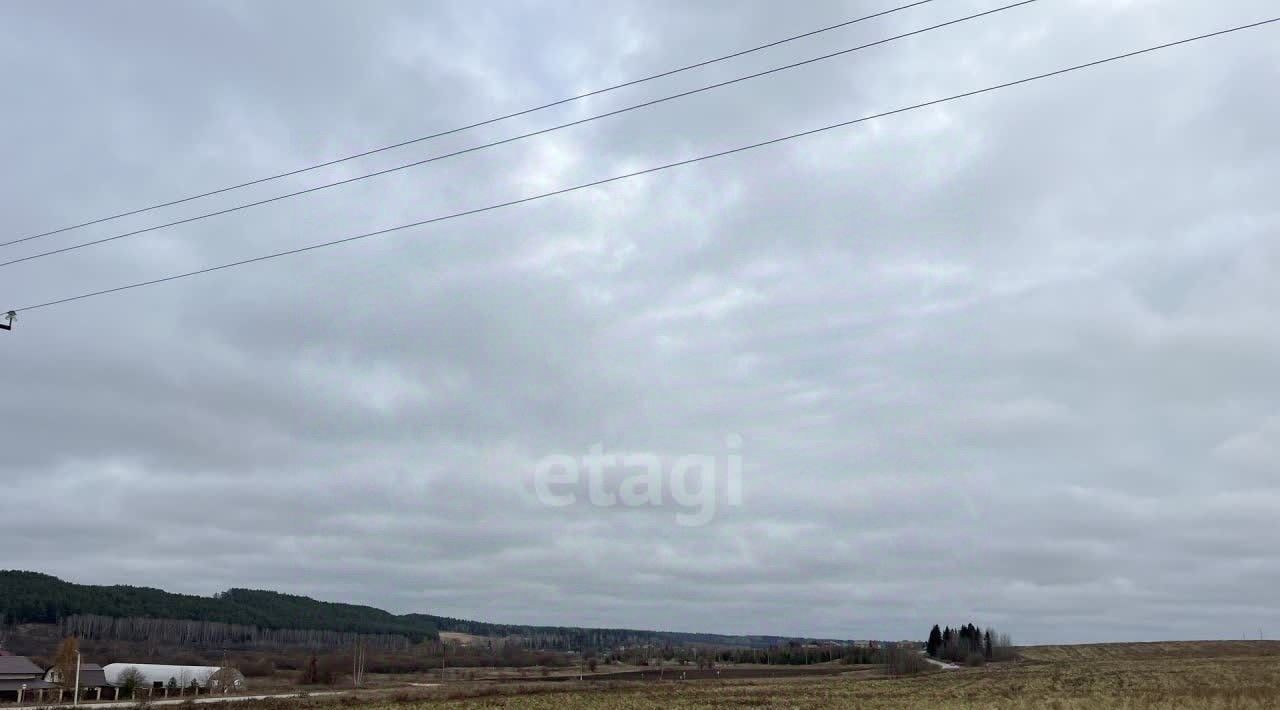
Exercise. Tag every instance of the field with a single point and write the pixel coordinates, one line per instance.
(1208, 675)
(461, 638)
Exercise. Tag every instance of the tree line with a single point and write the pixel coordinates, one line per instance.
(217, 634)
(34, 598)
(258, 616)
(969, 644)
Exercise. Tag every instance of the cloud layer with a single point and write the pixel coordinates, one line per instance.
(1009, 359)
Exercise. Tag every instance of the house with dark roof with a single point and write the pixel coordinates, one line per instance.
(91, 676)
(19, 674)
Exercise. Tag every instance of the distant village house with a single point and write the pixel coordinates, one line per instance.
(91, 676)
(18, 675)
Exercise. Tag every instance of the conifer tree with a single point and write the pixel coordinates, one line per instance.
(935, 641)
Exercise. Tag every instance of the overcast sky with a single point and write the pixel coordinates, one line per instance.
(1009, 360)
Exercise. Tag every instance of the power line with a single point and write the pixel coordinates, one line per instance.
(658, 168)
(504, 141)
(488, 121)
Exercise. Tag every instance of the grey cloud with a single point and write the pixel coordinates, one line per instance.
(1008, 359)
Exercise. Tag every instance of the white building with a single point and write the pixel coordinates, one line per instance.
(214, 678)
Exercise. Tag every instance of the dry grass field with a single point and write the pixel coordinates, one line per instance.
(1208, 675)
(1166, 649)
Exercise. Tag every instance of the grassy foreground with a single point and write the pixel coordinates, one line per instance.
(1231, 675)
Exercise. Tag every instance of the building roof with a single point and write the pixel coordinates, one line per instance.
(19, 665)
(155, 673)
(91, 676)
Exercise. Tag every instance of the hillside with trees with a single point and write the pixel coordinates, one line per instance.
(34, 598)
(255, 618)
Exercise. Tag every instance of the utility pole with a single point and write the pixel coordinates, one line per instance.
(75, 699)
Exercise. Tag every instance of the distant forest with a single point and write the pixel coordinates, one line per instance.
(34, 598)
(253, 616)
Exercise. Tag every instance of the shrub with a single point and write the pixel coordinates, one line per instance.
(130, 680)
(903, 660)
(330, 670)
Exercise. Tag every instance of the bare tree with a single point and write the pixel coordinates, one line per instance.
(66, 660)
(357, 664)
(1000, 646)
(900, 659)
